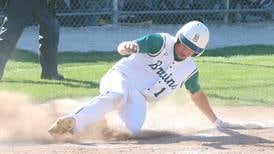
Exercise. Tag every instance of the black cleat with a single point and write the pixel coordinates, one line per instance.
(52, 77)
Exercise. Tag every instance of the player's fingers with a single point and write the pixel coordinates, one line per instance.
(134, 47)
(126, 45)
(130, 46)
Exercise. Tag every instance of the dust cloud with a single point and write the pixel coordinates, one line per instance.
(22, 120)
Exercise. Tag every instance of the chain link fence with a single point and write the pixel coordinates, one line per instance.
(77, 13)
(161, 16)
(81, 13)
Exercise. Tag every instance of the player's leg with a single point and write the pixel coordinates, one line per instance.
(48, 39)
(116, 93)
(133, 112)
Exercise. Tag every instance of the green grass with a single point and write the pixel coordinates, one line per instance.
(238, 80)
(242, 75)
(82, 71)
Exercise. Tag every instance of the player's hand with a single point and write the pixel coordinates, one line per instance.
(128, 47)
(227, 125)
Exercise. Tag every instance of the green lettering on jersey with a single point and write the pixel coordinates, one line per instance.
(167, 78)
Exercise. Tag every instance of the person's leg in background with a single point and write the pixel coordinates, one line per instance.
(48, 39)
(18, 14)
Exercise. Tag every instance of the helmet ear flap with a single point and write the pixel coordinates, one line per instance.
(179, 42)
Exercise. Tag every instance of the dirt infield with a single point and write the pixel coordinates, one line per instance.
(168, 128)
(206, 141)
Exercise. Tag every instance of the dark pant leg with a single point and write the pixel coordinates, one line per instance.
(48, 38)
(18, 15)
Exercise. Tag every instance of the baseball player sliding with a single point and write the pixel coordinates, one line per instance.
(158, 65)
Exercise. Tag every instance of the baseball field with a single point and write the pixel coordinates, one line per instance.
(238, 81)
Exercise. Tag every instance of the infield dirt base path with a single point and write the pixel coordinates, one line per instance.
(168, 129)
(206, 141)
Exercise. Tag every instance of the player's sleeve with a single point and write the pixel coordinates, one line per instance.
(192, 84)
(150, 43)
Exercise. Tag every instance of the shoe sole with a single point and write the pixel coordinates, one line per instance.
(62, 125)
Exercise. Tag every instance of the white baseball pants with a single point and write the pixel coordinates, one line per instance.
(116, 93)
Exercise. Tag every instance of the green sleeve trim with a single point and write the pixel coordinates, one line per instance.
(192, 84)
(150, 43)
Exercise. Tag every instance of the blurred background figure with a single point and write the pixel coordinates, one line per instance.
(18, 14)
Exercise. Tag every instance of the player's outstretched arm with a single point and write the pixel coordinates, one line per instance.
(200, 99)
(127, 48)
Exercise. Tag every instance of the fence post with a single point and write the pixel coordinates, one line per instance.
(226, 17)
(115, 12)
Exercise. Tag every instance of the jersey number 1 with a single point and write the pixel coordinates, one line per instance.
(158, 93)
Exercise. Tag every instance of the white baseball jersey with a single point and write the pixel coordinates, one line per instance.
(139, 78)
(157, 75)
